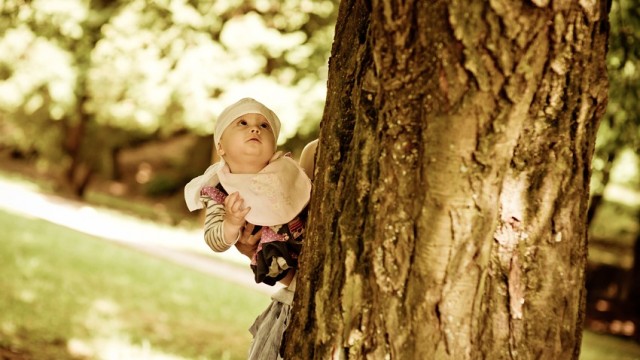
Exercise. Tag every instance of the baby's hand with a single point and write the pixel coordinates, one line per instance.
(235, 211)
(248, 244)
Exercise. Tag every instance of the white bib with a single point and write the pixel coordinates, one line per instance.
(276, 194)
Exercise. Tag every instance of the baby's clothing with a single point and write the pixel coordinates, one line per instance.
(278, 248)
(269, 327)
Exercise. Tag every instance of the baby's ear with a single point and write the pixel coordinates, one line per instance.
(219, 149)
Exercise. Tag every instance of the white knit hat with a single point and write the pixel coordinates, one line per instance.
(243, 107)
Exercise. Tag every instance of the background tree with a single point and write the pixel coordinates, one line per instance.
(620, 129)
(451, 191)
(81, 79)
(614, 210)
(46, 50)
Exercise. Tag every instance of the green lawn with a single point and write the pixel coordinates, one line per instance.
(67, 295)
(605, 347)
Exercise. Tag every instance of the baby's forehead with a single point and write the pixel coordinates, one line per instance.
(252, 116)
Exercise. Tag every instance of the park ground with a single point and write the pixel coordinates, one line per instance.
(183, 246)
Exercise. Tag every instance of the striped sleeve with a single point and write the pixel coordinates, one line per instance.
(213, 225)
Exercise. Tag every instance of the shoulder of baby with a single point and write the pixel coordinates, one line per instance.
(214, 193)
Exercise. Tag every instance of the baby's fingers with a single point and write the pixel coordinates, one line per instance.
(237, 206)
(231, 199)
(234, 202)
(243, 213)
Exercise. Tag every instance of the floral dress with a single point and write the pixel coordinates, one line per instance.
(279, 245)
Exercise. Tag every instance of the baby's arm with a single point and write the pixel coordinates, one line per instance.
(214, 234)
(307, 158)
(234, 221)
(225, 225)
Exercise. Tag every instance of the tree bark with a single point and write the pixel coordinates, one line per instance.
(448, 216)
(78, 174)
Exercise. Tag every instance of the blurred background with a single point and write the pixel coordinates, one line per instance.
(106, 111)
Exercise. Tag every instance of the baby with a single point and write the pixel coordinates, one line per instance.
(253, 185)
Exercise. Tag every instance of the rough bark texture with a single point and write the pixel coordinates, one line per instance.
(449, 206)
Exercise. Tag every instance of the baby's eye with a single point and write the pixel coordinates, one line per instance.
(264, 125)
(242, 122)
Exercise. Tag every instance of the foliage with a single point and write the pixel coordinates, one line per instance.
(37, 83)
(80, 79)
(619, 131)
(64, 293)
(167, 65)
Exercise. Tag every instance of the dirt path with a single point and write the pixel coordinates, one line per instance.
(180, 246)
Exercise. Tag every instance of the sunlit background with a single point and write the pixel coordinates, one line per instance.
(107, 108)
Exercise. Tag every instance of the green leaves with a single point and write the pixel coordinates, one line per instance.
(151, 68)
(619, 134)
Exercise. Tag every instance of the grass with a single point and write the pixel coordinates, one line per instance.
(605, 347)
(67, 295)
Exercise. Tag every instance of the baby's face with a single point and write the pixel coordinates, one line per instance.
(247, 141)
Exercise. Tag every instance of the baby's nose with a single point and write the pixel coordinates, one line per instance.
(255, 129)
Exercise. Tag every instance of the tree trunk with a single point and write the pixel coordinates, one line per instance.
(77, 174)
(451, 189)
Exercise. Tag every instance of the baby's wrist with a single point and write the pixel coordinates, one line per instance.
(234, 221)
(231, 232)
